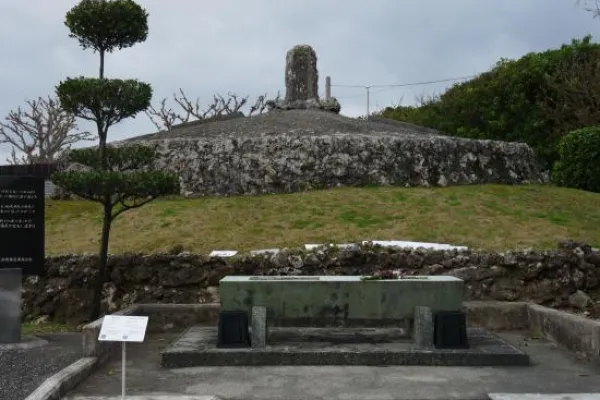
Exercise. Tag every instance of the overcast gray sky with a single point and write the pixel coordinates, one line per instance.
(239, 46)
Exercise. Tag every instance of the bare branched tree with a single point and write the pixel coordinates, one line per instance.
(592, 6)
(41, 132)
(165, 118)
(425, 99)
(262, 104)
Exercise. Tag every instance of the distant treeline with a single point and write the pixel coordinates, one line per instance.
(536, 99)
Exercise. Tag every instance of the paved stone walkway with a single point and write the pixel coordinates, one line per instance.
(555, 371)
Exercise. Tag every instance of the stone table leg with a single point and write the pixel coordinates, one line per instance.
(423, 327)
(259, 327)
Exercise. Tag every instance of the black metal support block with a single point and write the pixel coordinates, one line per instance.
(233, 330)
(450, 330)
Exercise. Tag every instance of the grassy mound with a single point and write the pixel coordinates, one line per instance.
(489, 217)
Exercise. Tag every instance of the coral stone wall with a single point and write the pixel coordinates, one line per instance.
(289, 163)
(566, 277)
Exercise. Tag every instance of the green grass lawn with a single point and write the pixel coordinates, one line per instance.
(30, 328)
(490, 217)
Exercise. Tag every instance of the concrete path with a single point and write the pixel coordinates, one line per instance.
(556, 371)
(536, 396)
(152, 397)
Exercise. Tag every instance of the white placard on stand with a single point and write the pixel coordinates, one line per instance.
(123, 328)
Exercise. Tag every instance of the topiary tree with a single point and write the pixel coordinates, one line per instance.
(107, 25)
(578, 166)
(119, 178)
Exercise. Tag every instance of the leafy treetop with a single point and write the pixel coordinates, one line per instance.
(106, 25)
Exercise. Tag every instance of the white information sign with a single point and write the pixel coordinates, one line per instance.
(340, 245)
(414, 245)
(123, 328)
(346, 245)
(264, 251)
(312, 246)
(223, 253)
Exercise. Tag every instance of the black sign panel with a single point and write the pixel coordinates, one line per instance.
(22, 224)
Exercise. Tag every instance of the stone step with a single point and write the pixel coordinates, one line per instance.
(543, 396)
(332, 346)
(145, 397)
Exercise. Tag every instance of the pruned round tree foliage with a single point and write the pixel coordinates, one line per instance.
(127, 158)
(105, 100)
(129, 179)
(106, 25)
(127, 189)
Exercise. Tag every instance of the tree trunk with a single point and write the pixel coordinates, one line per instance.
(102, 146)
(107, 218)
(102, 261)
(101, 64)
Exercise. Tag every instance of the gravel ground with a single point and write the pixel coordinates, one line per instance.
(22, 371)
(301, 122)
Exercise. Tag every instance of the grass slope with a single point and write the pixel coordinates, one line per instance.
(490, 217)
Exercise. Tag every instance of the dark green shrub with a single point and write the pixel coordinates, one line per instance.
(579, 164)
(535, 99)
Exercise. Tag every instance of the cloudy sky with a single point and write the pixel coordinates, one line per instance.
(239, 46)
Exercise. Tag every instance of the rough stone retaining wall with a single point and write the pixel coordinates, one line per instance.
(290, 163)
(557, 278)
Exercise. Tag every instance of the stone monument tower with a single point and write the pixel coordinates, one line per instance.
(302, 83)
(301, 75)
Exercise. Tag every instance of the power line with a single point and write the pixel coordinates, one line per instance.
(355, 96)
(408, 84)
(393, 85)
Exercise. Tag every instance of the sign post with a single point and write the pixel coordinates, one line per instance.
(21, 246)
(123, 328)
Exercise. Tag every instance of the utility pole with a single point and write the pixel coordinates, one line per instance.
(368, 100)
(327, 88)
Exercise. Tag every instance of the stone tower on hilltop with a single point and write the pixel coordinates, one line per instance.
(301, 74)
(302, 83)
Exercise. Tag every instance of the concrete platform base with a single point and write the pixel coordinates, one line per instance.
(330, 346)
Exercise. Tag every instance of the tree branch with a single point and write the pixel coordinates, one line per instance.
(126, 207)
(594, 8)
(41, 132)
(164, 118)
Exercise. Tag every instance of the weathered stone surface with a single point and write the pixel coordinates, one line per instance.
(547, 277)
(331, 105)
(301, 75)
(296, 150)
(423, 327)
(580, 300)
(259, 327)
(302, 84)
